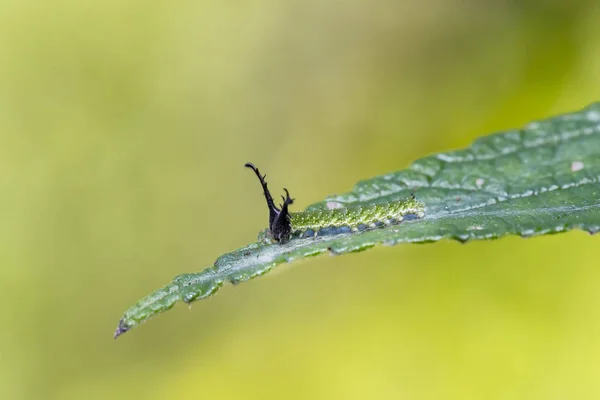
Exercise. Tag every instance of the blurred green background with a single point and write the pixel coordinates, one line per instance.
(124, 127)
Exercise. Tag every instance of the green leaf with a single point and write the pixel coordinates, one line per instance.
(537, 180)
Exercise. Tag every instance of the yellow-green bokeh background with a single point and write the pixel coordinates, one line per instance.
(124, 127)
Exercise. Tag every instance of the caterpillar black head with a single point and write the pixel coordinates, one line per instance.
(280, 225)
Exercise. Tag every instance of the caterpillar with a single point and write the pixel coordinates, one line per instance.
(285, 225)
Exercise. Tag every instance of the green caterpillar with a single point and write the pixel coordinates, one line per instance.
(284, 225)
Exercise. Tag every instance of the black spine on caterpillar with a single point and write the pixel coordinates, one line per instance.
(280, 225)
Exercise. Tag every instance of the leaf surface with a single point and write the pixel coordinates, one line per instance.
(537, 180)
